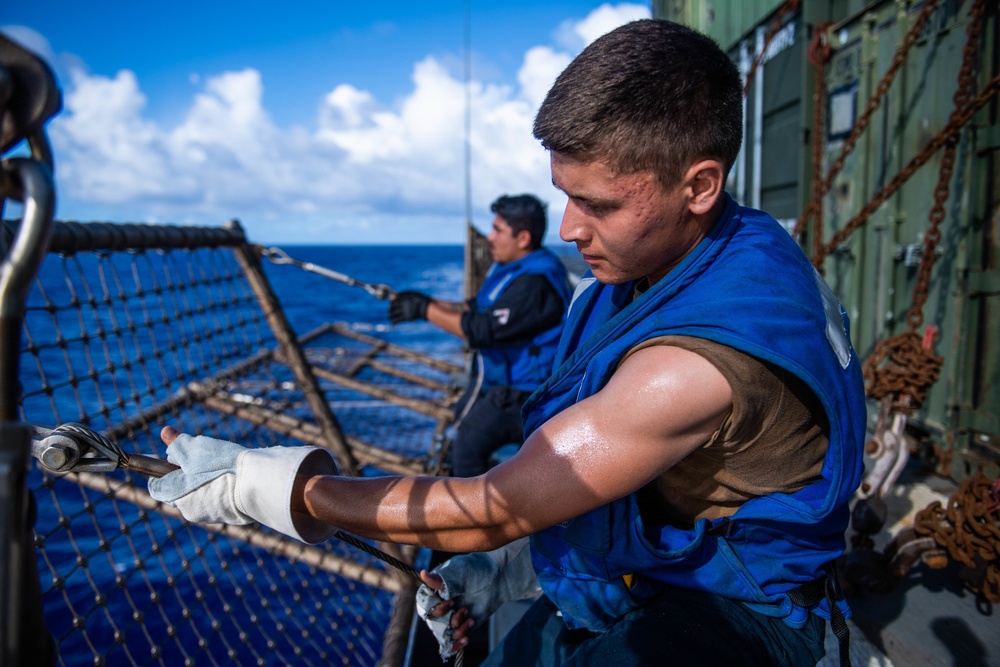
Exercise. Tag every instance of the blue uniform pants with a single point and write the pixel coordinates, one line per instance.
(494, 420)
(680, 627)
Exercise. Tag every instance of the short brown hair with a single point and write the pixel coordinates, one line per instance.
(650, 95)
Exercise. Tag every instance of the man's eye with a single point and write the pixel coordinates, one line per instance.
(595, 210)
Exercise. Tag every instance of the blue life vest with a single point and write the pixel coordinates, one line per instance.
(526, 365)
(747, 285)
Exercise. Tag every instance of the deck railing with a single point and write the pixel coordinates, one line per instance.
(128, 328)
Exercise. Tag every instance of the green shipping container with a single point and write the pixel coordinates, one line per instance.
(875, 269)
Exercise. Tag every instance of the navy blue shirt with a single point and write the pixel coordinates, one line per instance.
(528, 306)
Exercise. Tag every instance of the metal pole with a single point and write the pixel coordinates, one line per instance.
(333, 435)
(23, 638)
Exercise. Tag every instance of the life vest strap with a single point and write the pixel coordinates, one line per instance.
(811, 593)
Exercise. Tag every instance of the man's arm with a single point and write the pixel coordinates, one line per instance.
(532, 306)
(447, 315)
(529, 306)
(662, 403)
(409, 306)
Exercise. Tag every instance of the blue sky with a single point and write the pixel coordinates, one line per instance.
(315, 122)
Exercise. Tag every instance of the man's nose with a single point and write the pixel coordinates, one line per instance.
(571, 228)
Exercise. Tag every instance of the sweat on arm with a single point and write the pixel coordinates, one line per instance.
(603, 448)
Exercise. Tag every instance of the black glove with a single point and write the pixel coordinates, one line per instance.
(408, 306)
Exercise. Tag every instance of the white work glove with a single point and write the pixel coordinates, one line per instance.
(223, 482)
(482, 582)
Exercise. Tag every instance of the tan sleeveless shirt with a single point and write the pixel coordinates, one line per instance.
(774, 439)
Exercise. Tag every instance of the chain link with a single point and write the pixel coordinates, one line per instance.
(902, 367)
(958, 119)
(818, 54)
(961, 98)
(969, 528)
(951, 130)
(821, 186)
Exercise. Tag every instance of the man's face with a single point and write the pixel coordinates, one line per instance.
(625, 226)
(505, 246)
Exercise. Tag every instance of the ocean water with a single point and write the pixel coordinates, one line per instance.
(308, 300)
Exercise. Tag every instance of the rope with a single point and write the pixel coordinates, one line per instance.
(473, 393)
(279, 256)
(467, 30)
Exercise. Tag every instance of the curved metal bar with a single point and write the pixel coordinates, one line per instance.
(20, 267)
(41, 149)
(20, 597)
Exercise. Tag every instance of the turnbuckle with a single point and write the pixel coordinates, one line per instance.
(74, 447)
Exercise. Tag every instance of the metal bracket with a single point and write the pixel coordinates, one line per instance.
(29, 95)
(76, 448)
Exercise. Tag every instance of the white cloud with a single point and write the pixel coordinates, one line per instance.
(608, 17)
(542, 66)
(346, 107)
(105, 151)
(574, 35)
(366, 170)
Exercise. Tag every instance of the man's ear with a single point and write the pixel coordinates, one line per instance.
(523, 239)
(706, 180)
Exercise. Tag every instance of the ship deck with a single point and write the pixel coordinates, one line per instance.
(930, 619)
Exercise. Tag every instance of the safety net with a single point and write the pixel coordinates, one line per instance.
(129, 328)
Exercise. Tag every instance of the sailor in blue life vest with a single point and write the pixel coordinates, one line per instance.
(685, 477)
(513, 323)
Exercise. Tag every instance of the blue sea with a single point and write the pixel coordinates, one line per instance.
(81, 565)
(309, 299)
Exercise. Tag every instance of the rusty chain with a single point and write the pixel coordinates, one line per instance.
(961, 98)
(969, 528)
(952, 129)
(818, 53)
(958, 119)
(911, 368)
(786, 8)
(821, 186)
(901, 367)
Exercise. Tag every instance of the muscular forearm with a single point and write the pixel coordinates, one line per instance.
(660, 405)
(450, 514)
